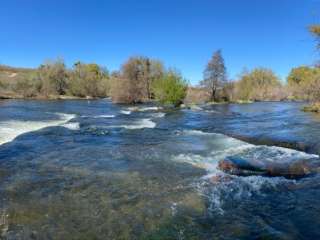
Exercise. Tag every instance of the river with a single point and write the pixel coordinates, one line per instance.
(81, 169)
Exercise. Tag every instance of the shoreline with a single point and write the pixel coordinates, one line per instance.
(187, 104)
(51, 97)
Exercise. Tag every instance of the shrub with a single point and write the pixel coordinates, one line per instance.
(304, 83)
(28, 86)
(133, 84)
(258, 85)
(88, 80)
(314, 107)
(196, 95)
(170, 89)
(53, 77)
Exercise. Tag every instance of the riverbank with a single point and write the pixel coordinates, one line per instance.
(313, 107)
(10, 96)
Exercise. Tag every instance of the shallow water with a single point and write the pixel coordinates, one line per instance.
(94, 170)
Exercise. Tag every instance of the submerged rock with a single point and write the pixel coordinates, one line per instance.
(245, 167)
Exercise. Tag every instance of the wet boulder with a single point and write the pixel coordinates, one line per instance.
(294, 169)
(240, 166)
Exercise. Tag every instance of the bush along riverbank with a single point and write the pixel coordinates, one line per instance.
(142, 79)
(313, 107)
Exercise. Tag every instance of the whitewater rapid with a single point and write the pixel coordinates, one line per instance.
(9, 130)
(225, 146)
(217, 186)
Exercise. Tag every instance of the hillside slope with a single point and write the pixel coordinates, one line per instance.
(10, 78)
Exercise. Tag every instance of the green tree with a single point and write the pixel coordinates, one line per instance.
(304, 82)
(299, 75)
(133, 83)
(89, 80)
(315, 31)
(53, 76)
(313, 88)
(170, 89)
(214, 76)
(155, 71)
(259, 84)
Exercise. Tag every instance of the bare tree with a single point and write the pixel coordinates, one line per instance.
(53, 76)
(134, 82)
(214, 76)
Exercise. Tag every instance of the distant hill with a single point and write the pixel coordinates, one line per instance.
(9, 69)
(13, 73)
(9, 77)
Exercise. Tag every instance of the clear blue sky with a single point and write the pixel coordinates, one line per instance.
(182, 33)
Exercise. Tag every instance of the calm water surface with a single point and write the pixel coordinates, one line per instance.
(95, 170)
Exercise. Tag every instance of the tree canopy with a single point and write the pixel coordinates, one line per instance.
(258, 84)
(214, 75)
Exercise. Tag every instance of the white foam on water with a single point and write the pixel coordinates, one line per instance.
(143, 123)
(211, 111)
(198, 161)
(218, 186)
(72, 125)
(9, 130)
(281, 154)
(125, 112)
(65, 116)
(234, 146)
(105, 116)
(140, 109)
(99, 116)
(144, 109)
(140, 124)
(158, 115)
(133, 109)
(197, 132)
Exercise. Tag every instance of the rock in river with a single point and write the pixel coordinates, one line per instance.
(288, 169)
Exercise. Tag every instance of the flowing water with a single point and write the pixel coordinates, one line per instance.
(94, 170)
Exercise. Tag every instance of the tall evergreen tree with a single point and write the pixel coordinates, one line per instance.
(214, 76)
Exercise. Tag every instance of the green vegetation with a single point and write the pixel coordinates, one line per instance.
(170, 89)
(314, 107)
(260, 84)
(304, 83)
(214, 76)
(15, 82)
(143, 79)
(53, 80)
(257, 85)
(133, 84)
(88, 80)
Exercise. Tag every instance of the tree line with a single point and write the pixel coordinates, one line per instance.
(143, 79)
(261, 84)
(139, 79)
